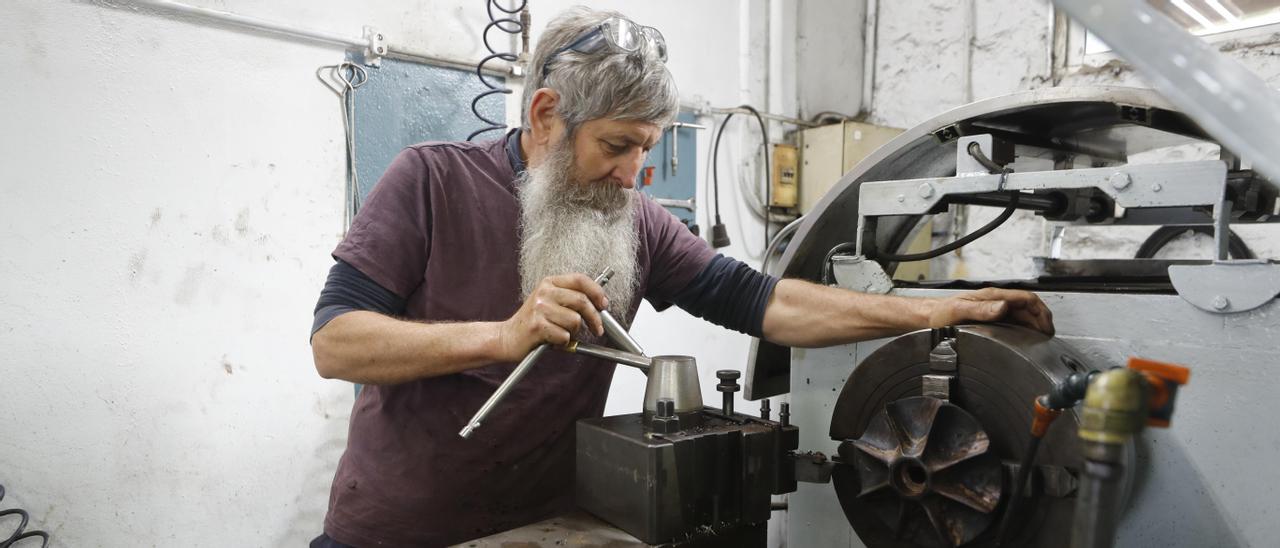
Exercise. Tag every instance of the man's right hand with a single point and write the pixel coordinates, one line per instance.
(553, 313)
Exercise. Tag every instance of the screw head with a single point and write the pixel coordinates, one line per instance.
(1156, 187)
(1220, 302)
(902, 198)
(382, 49)
(379, 37)
(1119, 180)
(926, 190)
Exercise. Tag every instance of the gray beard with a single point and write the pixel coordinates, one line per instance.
(570, 226)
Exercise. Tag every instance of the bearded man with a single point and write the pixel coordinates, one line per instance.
(467, 256)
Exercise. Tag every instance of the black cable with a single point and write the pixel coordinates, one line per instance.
(960, 242)
(715, 167)
(509, 26)
(1165, 234)
(975, 151)
(20, 532)
(768, 174)
(1024, 473)
(827, 267)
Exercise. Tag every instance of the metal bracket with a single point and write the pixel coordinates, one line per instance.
(859, 274)
(1174, 184)
(672, 202)
(1227, 287)
(377, 48)
(675, 145)
(998, 150)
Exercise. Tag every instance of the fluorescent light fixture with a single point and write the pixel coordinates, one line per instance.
(1223, 11)
(1193, 13)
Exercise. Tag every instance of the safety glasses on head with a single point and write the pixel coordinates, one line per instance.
(622, 35)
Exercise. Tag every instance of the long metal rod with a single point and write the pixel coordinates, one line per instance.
(637, 361)
(515, 376)
(1223, 96)
(275, 27)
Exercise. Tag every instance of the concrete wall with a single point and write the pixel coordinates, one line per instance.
(935, 55)
(171, 191)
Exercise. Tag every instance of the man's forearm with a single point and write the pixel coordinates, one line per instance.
(804, 314)
(370, 348)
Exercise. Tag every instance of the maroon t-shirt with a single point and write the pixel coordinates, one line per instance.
(441, 229)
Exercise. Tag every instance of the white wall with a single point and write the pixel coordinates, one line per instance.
(924, 68)
(171, 191)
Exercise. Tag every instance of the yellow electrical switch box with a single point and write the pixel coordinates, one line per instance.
(785, 176)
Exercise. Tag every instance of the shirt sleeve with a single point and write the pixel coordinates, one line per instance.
(348, 289)
(676, 255)
(390, 240)
(729, 293)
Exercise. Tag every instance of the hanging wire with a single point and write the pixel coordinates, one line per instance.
(344, 79)
(20, 533)
(508, 25)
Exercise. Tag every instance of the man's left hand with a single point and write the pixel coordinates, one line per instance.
(993, 304)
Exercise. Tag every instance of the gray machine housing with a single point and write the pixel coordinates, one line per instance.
(1206, 481)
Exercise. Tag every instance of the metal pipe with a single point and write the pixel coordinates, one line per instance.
(777, 241)
(515, 376)
(637, 361)
(870, 30)
(618, 334)
(275, 27)
(1115, 408)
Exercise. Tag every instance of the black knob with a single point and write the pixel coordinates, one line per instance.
(728, 385)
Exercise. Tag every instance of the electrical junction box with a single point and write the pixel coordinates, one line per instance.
(785, 176)
(670, 173)
(828, 152)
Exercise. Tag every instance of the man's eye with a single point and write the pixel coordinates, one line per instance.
(614, 149)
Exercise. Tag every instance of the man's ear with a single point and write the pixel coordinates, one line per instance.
(543, 114)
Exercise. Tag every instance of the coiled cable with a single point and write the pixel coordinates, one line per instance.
(21, 533)
(509, 25)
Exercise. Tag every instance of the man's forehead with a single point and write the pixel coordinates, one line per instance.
(634, 132)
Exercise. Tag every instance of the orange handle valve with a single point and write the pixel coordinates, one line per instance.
(1042, 418)
(1163, 380)
(647, 176)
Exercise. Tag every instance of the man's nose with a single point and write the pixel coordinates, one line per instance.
(628, 168)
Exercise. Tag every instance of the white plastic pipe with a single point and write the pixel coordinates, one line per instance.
(496, 68)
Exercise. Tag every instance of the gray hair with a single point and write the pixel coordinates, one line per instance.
(602, 84)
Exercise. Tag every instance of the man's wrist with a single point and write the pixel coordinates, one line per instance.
(493, 348)
(923, 312)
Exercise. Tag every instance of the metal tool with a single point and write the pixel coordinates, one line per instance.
(675, 143)
(638, 361)
(516, 375)
(618, 334)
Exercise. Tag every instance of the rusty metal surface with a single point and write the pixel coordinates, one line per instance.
(923, 465)
(578, 529)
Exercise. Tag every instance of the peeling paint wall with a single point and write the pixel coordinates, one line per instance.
(928, 60)
(171, 191)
